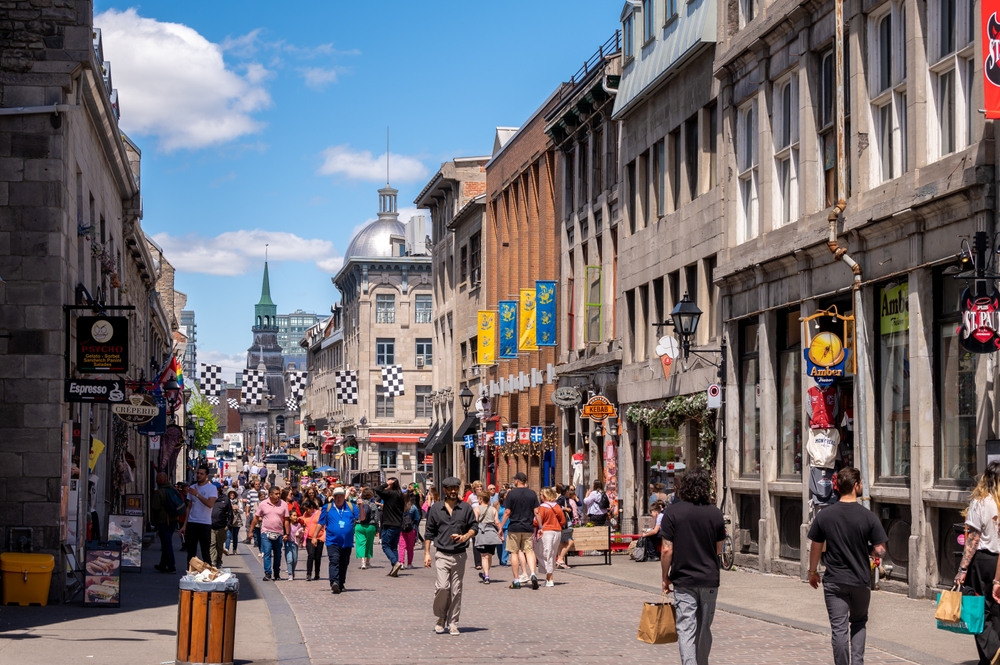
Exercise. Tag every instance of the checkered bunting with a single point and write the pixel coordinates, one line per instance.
(254, 387)
(211, 382)
(233, 403)
(392, 379)
(297, 384)
(213, 400)
(346, 387)
(292, 404)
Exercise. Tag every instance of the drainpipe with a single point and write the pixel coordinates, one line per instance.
(840, 253)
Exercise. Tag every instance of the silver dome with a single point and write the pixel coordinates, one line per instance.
(375, 239)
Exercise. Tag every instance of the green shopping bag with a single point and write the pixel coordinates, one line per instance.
(973, 616)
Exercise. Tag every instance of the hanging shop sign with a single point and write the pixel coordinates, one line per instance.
(991, 64)
(894, 309)
(83, 390)
(827, 353)
(598, 408)
(158, 424)
(101, 344)
(980, 329)
(826, 358)
(139, 410)
(566, 397)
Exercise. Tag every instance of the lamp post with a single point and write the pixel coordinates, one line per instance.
(684, 319)
(465, 396)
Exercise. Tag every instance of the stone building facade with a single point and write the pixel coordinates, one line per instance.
(520, 246)
(914, 410)
(70, 235)
(454, 197)
(387, 297)
(671, 232)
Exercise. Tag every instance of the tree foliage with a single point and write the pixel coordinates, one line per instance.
(198, 407)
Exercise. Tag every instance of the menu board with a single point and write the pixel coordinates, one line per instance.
(127, 530)
(102, 574)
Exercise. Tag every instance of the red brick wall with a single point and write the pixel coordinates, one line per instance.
(522, 211)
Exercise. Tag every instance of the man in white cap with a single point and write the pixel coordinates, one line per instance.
(339, 518)
(451, 524)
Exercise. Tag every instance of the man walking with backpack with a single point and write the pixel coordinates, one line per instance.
(693, 529)
(597, 503)
(167, 505)
(521, 508)
(338, 518)
(852, 534)
(392, 522)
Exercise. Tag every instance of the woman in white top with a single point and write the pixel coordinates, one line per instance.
(979, 559)
(595, 514)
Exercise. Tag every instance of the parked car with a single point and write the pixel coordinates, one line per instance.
(284, 460)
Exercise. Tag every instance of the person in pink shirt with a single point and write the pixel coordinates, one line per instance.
(273, 517)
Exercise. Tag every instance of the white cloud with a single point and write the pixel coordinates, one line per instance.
(232, 363)
(317, 77)
(362, 165)
(233, 252)
(175, 84)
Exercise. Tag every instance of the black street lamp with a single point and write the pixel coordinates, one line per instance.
(466, 396)
(685, 317)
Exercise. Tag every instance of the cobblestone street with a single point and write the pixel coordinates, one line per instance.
(380, 619)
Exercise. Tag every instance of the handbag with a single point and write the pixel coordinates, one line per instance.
(949, 605)
(487, 535)
(658, 624)
(973, 615)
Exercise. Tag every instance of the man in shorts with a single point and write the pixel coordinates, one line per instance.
(521, 507)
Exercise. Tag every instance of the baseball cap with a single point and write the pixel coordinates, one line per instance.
(520, 477)
(451, 481)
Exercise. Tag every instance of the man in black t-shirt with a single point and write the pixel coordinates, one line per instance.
(852, 534)
(392, 522)
(521, 506)
(693, 530)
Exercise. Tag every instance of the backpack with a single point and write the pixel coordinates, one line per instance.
(173, 502)
(639, 551)
(603, 502)
(407, 521)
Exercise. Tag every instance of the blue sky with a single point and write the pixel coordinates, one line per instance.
(263, 123)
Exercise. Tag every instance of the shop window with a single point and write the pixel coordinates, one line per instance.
(895, 518)
(749, 534)
(665, 451)
(789, 394)
(749, 399)
(789, 523)
(956, 389)
(892, 330)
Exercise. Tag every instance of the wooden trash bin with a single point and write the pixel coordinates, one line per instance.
(206, 627)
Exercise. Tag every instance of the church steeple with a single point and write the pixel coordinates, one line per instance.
(265, 312)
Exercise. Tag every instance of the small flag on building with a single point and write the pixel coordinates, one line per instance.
(511, 435)
(470, 441)
(524, 434)
(536, 434)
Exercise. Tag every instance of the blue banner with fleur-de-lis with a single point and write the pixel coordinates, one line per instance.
(508, 329)
(545, 312)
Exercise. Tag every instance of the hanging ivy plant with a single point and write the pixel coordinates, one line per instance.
(674, 414)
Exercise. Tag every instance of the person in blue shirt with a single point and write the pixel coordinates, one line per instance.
(339, 518)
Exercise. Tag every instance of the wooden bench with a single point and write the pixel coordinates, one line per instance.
(592, 539)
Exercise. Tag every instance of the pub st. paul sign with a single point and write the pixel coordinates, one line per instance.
(980, 329)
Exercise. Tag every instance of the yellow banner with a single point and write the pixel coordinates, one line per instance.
(487, 338)
(527, 321)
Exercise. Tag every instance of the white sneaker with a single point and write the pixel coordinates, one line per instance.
(549, 583)
(439, 628)
(291, 578)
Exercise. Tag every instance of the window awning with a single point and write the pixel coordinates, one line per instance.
(397, 438)
(440, 441)
(468, 425)
(431, 434)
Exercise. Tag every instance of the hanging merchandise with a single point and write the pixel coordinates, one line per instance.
(822, 447)
(822, 407)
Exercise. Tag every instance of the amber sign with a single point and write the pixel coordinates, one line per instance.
(598, 409)
(102, 344)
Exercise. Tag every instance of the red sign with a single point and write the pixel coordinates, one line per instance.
(991, 65)
(980, 329)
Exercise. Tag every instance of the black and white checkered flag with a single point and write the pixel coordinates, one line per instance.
(392, 379)
(346, 387)
(297, 384)
(213, 400)
(233, 403)
(254, 387)
(211, 382)
(292, 404)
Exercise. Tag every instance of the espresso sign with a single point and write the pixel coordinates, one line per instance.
(101, 344)
(84, 390)
(980, 329)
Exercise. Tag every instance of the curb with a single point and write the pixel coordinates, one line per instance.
(290, 646)
(894, 648)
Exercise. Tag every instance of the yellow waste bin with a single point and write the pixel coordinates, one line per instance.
(26, 578)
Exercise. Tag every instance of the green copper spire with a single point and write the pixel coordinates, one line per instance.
(266, 312)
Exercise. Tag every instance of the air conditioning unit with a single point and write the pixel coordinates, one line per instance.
(420, 362)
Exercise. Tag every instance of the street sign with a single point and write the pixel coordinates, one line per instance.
(566, 397)
(84, 390)
(598, 408)
(714, 396)
(101, 344)
(139, 410)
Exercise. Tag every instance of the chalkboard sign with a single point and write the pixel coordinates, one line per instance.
(102, 574)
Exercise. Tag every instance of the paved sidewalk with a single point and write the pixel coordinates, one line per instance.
(581, 621)
(897, 624)
(142, 631)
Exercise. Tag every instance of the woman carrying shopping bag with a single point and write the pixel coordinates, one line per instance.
(979, 559)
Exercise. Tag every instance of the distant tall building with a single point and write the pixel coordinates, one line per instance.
(291, 329)
(266, 419)
(190, 329)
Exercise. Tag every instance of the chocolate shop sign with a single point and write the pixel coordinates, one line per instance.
(102, 344)
(980, 329)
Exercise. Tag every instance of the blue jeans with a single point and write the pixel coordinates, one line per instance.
(291, 557)
(390, 543)
(166, 532)
(271, 549)
(502, 551)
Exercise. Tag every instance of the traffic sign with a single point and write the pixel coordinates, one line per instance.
(598, 409)
(714, 396)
